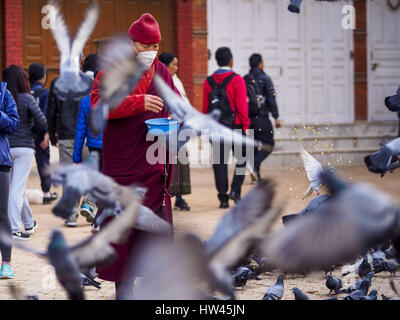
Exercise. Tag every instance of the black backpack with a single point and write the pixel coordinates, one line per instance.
(253, 101)
(218, 100)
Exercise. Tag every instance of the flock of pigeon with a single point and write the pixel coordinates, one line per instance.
(353, 223)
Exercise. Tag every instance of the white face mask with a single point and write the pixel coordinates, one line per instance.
(147, 58)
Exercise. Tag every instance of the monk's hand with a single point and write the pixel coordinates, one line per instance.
(153, 103)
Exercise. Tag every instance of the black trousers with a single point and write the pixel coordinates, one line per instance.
(264, 132)
(43, 164)
(220, 167)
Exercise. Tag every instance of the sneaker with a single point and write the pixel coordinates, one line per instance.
(181, 205)
(70, 223)
(88, 212)
(21, 236)
(6, 272)
(31, 230)
(53, 196)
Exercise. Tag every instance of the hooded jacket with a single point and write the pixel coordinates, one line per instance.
(9, 123)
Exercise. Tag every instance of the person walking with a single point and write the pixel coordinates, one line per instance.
(37, 81)
(235, 88)
(94, 143)
(62, 117)
(22, 146)
(125, 148)
(180, 184)
(260, 121)
(9, 123)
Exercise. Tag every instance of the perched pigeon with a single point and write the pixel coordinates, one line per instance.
(391, 253)
(97, 250)
(393, 103)
(380, 161)
(73, 84)
(355, 218)
(364, 268)
(275, 292)
(333, 284)
(313, 170)
(237, 233)
(360, 293)
(299, 295)
(199, 123)
(387, 265)
(357, 285)
(311, 207)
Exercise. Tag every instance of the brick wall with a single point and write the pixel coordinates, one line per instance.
(361, 62)
(192, 47)
(13, 32)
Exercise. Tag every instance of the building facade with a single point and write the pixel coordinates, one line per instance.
(321, 71)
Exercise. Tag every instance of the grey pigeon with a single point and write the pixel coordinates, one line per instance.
(73, 84)
(236, 234)
(313, 170)
(387, 265)
(380, 161)
(364, 268)
(299, 295)
(360, 293)
(311, 207)
(241, 275)
(355, 218)
(391, 253)
(182, 111)
(393, 102)
(385, 297)
(276, 291)
(333, 284)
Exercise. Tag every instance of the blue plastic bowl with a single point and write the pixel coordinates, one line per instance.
(160, 126)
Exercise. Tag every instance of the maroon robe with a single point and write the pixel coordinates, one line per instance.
(124, 159)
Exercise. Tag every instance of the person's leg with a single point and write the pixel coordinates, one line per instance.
(4, 220)
(66, 150)
(22, 161)
(43, 164)
(220, 168)
(239, 173)
(26, 216)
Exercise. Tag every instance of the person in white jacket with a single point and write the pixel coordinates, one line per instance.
(181, 180)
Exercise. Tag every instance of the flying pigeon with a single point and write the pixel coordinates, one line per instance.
(313, 170)
(276, 291)
(299, 295)
(73, 84)
(381, 161)
(237, 233)
(355, 218)
(191, 119)
(333, 284)
(393, 103)
(95, 251)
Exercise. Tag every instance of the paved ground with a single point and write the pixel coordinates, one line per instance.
(35, 276)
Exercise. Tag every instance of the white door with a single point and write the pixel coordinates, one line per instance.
(384, 57)
(307, 58)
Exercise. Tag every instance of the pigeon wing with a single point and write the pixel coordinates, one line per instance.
(61, 33)
(311, 165)
(148, 221)
(85, 29)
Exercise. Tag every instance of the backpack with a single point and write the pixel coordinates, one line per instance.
(253, 101)
(218, 100)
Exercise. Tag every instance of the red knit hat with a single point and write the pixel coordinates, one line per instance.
(145, 30)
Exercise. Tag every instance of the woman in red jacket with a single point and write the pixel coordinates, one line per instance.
(125, 147)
